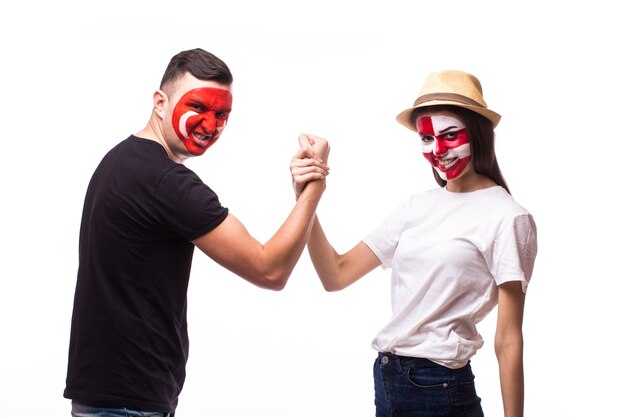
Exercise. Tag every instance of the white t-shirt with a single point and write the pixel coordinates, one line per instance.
(448, 253)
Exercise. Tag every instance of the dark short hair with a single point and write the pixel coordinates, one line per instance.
(199, 63)
(482, 142)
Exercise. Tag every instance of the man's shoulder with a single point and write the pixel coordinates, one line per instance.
(138, 163)
(135, 153)
(141, 146)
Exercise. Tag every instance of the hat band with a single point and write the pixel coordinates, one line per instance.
(447, 96)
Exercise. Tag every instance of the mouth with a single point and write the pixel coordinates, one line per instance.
(445, 164)
(201, 139)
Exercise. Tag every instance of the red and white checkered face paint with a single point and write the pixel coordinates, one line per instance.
(445, 144)
(200, 116)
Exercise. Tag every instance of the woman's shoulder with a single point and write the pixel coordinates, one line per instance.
(507, 202)
(423, 196)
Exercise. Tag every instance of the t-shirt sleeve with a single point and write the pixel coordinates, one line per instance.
(187, 205)
(514, 251)
(383, 241)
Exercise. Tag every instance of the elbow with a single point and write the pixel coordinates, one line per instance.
(277, 285)
(276, 281)
(509, 347)
(335, 277)
(269, 276)
(332, 285)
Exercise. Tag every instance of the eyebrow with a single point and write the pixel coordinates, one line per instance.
(448, 128)
(200, 103)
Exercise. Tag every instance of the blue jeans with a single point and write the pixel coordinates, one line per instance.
(415, 387)
(84, 410)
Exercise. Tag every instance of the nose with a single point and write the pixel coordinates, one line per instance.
(441, 147)
(208, 123)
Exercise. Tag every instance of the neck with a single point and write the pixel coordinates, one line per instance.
(153, 131)
(471, 181)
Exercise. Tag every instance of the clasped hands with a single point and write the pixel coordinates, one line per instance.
(310, 162)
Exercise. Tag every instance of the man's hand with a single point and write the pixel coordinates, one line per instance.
(309, 163)
(319, 146)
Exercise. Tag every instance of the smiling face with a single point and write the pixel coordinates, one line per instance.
(445, 143)
(195, 115)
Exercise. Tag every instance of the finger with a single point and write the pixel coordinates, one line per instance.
(300, 172)
(319, 145)
(302, 153)
(308, 156)
(316, 140)
(313, 142)
(307, 153)
(313, 138)
(295, 172)
(299, 164)
(305, 142)
(303, 179)
(304, 161)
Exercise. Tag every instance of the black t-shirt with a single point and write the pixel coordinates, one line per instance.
(129, 343)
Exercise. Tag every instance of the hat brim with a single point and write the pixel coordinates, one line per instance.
(404, 117)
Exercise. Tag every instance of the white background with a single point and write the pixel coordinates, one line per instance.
(77, 78)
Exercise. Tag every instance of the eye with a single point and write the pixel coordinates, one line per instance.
(221, 115)
(451, 135)
(194, 105)
(427, 139)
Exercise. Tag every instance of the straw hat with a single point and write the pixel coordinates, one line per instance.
(453, 88)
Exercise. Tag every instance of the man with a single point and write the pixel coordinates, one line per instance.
(143, 215)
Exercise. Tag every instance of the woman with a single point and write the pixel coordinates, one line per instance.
(455, 253)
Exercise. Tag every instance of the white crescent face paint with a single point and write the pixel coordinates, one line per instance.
(445, 144)
(182, 124)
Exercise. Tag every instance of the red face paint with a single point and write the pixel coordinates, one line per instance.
(445, 144)
(200, 116)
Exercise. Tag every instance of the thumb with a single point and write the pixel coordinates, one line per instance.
(305, 142)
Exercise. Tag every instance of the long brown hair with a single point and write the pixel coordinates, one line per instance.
(482, 143)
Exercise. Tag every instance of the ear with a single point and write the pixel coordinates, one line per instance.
(159, 101)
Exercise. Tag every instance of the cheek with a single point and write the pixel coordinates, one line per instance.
(427, 152)
(462, 139)
(180, 121)
(221, 124)
(461, 151)
(458, 169)
(429, 157)
(184, 124)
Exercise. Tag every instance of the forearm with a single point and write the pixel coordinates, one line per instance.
(282, 251)
(510, 361)
(338, 271)
(325, 259)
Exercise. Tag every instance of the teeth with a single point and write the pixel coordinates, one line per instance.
(201, 136)
(446, 162)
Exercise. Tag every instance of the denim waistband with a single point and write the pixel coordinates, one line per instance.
(402, 363)
(386, 357)
(86, 410)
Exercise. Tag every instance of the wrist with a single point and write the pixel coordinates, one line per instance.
(315, 187)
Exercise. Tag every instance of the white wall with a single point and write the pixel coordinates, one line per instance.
(78, 78)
